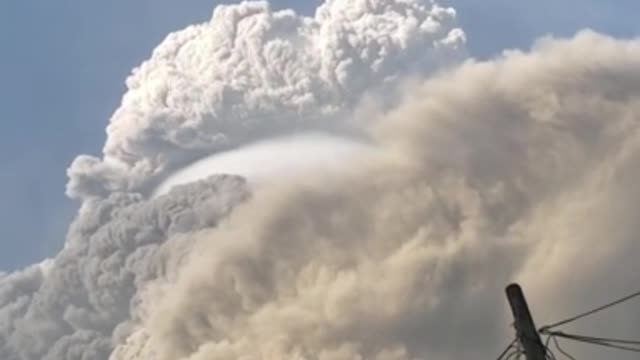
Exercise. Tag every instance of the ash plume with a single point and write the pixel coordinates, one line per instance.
(248, 74)
(522, 168)
(253, 72)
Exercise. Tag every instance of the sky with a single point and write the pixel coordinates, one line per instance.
(60, 82)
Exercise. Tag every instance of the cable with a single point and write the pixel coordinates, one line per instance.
(590, 312)
(600, 341)
(593, 338)
(506, 350)
(609, 340)
(595, 341)
(548, 353)
(517, 353)
(561, 350)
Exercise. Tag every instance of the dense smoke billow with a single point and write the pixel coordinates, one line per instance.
(79, 304)
(252, 73)
(522, 168)
(249, 74)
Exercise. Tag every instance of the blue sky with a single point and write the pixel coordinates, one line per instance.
(62, 71)
(493, 25)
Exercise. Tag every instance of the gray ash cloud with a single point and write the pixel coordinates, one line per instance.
(77, 305)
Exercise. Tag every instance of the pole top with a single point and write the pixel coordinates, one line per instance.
(525, 327)
(513, 288)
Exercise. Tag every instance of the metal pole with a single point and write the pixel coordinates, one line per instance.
(525, 328)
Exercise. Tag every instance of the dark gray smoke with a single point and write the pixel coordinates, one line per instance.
(78, 305)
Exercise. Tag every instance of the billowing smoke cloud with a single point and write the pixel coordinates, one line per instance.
(72, 307)
(249, 74)
(523, 168)
(253, 72)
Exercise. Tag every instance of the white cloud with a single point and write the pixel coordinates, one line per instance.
(269, 160)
